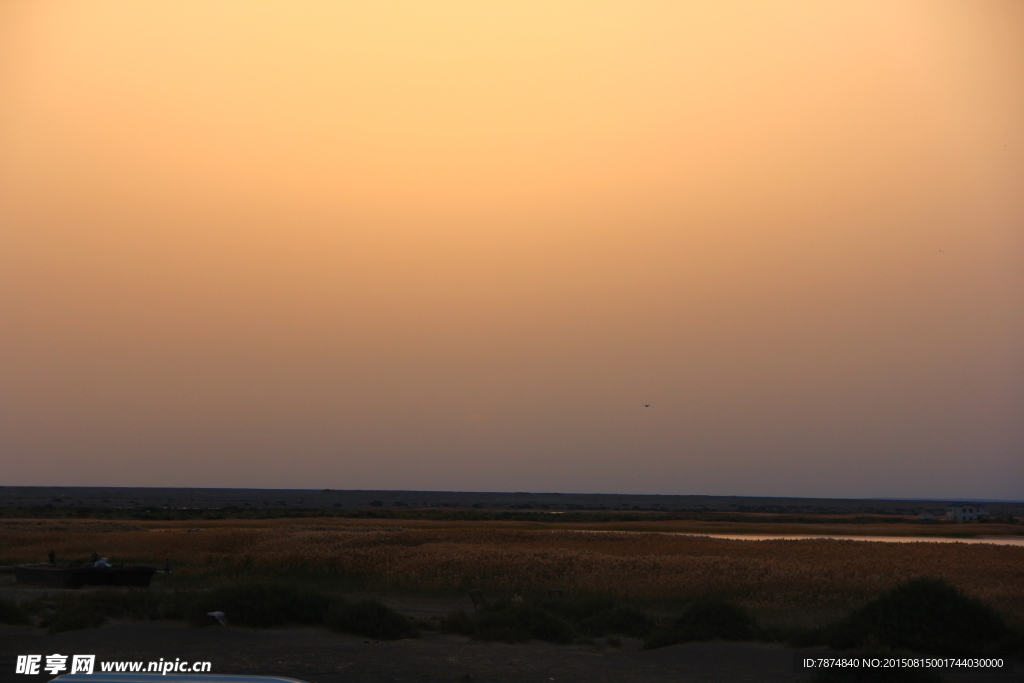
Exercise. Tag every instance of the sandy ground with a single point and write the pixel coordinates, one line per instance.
(319, 656)
(316, 655)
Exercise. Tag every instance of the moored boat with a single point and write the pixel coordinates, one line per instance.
(64, 576)
(74, 576)
(120, 575)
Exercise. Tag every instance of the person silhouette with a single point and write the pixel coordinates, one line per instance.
(53, 557)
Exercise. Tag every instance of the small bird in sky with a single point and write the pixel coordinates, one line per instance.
(647, 405)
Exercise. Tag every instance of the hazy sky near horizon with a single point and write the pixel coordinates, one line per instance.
(459, 245)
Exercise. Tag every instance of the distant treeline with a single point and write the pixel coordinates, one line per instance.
(436, 514)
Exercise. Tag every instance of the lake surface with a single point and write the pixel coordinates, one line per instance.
(996, 540)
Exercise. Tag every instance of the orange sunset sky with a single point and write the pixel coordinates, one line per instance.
(459, 245)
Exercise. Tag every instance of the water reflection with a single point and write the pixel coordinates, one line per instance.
(997, 540)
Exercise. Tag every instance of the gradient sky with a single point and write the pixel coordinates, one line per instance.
(458, 245)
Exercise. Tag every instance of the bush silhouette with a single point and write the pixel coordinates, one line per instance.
(371, 619)
(925, 615)
(519, 622)
(556, 621)
(600, 616)
(70, 612)
(262, 605)
(12, 613)
(266, 605)
(73, 616)
(708, 619)
(458, 622)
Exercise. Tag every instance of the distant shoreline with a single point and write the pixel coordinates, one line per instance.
(61, 497)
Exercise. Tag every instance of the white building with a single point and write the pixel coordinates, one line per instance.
(963, 512)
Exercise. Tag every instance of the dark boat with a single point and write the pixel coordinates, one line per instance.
(71, 576)
(120, 575)
(48, 575)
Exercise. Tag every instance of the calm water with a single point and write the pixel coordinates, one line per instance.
(997, 540)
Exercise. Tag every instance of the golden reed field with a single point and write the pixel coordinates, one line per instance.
(781, 580)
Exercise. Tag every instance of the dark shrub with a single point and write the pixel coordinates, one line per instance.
(458, 622)
(596, 617)
(925, 615)
(72, 615)
(708, 619)
(516, 622)
(511, 622)
(1010, 646)
(371, 619)
(556, 621)
(76, 611)
(255, 605)
(12, 613)
(261, 605)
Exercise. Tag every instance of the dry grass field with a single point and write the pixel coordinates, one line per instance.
(782, 581)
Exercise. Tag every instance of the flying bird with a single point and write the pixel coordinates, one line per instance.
(219, 616)
(647, 405)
